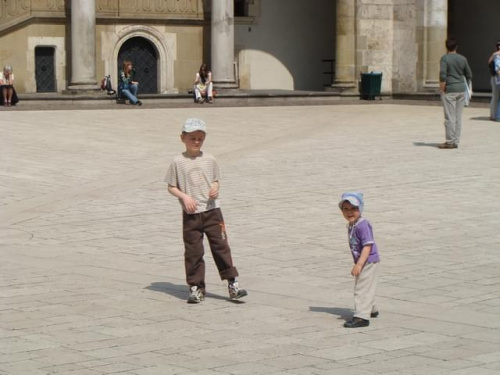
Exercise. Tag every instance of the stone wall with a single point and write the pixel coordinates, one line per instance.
(284, 46)
(22, 58)
(150, 9)
(180, 44)
(179, 50)
(374, 39)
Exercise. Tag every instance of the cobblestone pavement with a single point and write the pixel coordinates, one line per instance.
(92, 278)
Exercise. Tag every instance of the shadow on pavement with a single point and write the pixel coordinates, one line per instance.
(426, 144)
(482, 118)
(181, 291)
(341, 312)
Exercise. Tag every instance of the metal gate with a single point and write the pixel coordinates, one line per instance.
(143, 56)
(44, 69)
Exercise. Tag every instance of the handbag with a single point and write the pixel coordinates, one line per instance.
(202, 88)
(468, 92)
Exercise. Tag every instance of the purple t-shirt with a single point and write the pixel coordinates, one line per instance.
(360, 235)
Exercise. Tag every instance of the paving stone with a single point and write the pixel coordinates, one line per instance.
(92, 275)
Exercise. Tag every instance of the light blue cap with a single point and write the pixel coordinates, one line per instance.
(354, 198)
(194, 124)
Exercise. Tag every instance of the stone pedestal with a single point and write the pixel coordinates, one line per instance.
(223, 44)
(83, 72)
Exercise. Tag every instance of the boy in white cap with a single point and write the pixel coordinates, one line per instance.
(366, 260)
(193, 177)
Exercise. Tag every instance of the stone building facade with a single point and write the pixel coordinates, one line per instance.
(69, 45)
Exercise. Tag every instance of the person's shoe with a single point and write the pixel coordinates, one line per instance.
(210, 100)
(235, 292)
(202, 100)
(139, 103)
(447, 146)
(374, 314)
(195, 295)
(356, 323)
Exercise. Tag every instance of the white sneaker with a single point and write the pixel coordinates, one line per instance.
(235, 292)
(195, 295)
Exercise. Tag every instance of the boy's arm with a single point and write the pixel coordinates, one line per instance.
(214, 190)
(365, 253)
(188, 202)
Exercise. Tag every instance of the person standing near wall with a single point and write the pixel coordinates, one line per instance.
(494, 64)
(452, 70)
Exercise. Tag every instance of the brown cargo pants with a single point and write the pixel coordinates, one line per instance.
(195, 226)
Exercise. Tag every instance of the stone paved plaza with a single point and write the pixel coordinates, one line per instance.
(92, 277)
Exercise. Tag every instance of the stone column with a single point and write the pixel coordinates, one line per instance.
(83, 72)
(223, 44)
(431, 36)
(345, 55)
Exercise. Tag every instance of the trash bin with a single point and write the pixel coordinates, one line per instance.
(370, 86)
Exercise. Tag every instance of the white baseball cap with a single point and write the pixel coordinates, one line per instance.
(194, 124)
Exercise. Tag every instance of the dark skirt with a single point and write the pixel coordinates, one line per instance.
(15, 99)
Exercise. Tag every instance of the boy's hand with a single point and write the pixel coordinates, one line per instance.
(189, 203)
(356, 270)
(358, 267)
(214, 191)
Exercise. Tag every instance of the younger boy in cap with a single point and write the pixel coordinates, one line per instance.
(366, 260)
(193, 177)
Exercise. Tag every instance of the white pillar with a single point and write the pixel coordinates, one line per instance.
(431, 36)
(223, 44)
(345, 52)
(83, 72)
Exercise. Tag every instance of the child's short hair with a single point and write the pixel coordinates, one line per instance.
(356, 199)
(194, 124)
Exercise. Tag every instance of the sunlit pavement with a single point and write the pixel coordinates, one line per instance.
(92, 274)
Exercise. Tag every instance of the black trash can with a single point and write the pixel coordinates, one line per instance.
(370, 86)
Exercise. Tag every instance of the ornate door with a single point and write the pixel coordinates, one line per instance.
(143, 56)
(44, 69)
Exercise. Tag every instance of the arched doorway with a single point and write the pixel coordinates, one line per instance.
(145, 59)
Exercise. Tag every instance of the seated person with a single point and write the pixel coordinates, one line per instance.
(9, 96)
(127, 87)
(203, 86)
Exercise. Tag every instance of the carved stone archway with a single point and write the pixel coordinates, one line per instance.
(165, 44)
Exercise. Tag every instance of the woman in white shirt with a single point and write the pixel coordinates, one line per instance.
(203, 86)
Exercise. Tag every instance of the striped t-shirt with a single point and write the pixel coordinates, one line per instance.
(194, 177)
